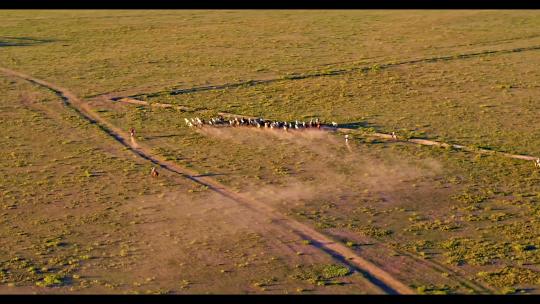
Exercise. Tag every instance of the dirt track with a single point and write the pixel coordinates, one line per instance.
(377, 276)
(418, 141)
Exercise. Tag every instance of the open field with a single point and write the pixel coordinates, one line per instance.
(96, 52)
(246, 210)
(77, 218)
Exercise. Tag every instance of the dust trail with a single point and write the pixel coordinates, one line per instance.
(337, 170)
(348, 146)
(134, 142)
(198, 205)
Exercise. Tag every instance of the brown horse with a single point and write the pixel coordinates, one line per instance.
(154, 172)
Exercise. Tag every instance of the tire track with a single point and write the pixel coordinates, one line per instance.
(427, 142)
(375, 275)
(476, 286)
(335, 72)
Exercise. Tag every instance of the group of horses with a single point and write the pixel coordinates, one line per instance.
(262, 123)
(257, 122)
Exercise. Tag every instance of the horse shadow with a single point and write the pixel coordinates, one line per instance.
(7, 41)
(356, 125)
(163, 136)
(210, 174)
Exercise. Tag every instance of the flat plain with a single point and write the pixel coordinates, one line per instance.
(247, 210)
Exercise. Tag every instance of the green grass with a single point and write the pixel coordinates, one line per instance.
(434, 290)
(322, 274)
(108, 51)
(427, 100)
(507, 277)
(50, 280)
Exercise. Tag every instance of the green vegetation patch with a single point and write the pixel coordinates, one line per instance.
(325, 274)
(510, 276)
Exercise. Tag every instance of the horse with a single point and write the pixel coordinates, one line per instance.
(154, 172)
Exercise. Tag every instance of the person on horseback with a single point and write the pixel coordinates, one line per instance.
(154, 172)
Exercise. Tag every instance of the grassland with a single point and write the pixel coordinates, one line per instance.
(458, 101)
(95, 52)
(80, 213)
(472, 215)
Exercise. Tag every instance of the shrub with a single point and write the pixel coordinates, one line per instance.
(321, 274)
(334, 271)
(50, 280)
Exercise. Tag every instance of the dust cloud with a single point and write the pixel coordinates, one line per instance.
(340, 168)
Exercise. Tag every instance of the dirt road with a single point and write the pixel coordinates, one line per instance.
(377, 276)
